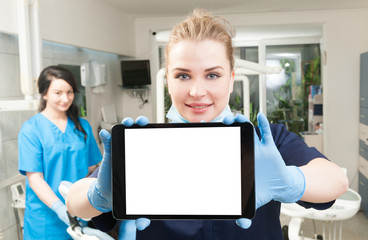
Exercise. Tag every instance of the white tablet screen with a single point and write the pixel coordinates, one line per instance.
(198, 173)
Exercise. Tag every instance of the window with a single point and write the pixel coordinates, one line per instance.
(236, 103)
(288, 92)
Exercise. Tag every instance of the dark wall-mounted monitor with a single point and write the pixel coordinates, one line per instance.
(135, 73)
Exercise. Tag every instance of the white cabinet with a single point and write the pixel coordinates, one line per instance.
(363, 135)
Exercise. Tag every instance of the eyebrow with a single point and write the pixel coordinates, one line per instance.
(62, 90)
(213, 68)
(206, 70)
(181, 69)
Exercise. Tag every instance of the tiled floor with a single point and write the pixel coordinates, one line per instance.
(355, 228)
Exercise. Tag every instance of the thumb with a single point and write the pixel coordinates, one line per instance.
(128, 122)
(141, 121)
(105, 137)
(228, 120)
(241, 118)
(264, 128)
(142, 223)
(244, 223)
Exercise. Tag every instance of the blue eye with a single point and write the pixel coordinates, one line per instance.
(182, 76)
(213, 76)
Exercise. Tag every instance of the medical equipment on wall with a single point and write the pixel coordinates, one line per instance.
(19, 205)
(30, 46)
(93, 74)
(30, 57)
(142, 93)
(242, 68)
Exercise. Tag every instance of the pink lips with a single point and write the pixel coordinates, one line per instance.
(199, 107)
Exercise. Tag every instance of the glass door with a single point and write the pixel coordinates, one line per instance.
(288, 93)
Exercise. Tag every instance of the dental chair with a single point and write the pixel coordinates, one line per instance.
(345, 207)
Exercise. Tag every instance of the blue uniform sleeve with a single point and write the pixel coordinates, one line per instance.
(94, 154)
(29, 150)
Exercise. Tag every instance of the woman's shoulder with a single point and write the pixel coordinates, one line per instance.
(32, 125)
(33, 121)
(84, 123)
(280, 133)
(276, 129)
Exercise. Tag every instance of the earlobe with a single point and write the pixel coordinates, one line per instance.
(231, 87)
(168, 86)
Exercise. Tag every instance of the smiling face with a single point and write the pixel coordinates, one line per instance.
(59, 96)
(199, 79)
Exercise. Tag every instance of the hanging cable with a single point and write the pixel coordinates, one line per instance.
(144, 101)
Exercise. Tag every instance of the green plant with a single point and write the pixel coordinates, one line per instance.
(252, 114)
(286, 106)
(236, 105)
(293, 110)
(167, 101)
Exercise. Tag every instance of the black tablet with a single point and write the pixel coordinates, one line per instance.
(183, 171)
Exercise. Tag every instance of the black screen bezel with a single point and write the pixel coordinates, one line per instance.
(247, 171)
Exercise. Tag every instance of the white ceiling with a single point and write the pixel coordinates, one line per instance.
(168, 8)
(164, 8)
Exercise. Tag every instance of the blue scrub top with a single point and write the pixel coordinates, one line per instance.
(266, 223)
(43, 147)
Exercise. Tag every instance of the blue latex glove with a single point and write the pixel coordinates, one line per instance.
(97, 233)
(60, 209)
(127, 228)
(99, 193)
(274, 180)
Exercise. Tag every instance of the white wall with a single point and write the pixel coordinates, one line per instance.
(87, 23)
(345, 36)
(83, 23)
(8, 16)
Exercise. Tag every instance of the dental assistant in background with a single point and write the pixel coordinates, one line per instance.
(54, 145)
(200, 78)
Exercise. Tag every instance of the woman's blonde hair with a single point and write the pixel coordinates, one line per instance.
(202, 25)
